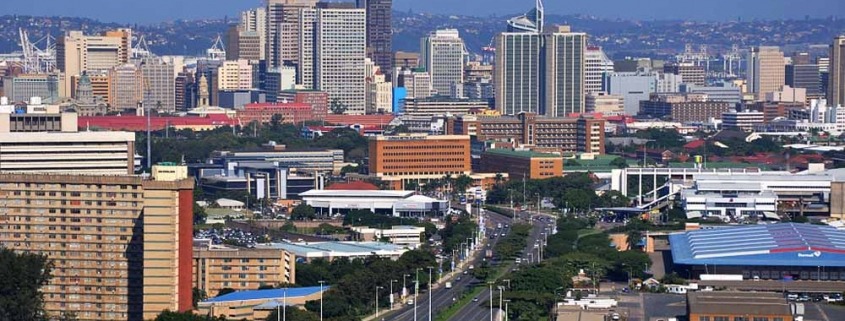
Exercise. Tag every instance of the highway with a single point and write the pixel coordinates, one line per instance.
(480, 311)
(442, 297)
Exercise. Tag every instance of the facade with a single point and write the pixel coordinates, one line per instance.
(434, 106)
(690, 73)
(243, 44)
(787, 94)
(379, 97)
(217, 267)
(745, 120)
(379, 32)
(406, 60)
(309, 160)
(765, 71)
(185, 97)
(283, 26)
(393, 203)
(76, 53)
(547, 134)
(125, 88)
(307, 252)
(683, 107)
(407, 236)
(23, 87)
(234, 75)
(419, 155)
(563, 64)
(601, 102)
(633, 87)
(277, 80)
(442, 56)
(263, 113)
(417, 83)
(122, 249)
(725, 93)
(255, 20)
(521, 164)
(836, 78)
(807, 76)
(159, 88)
(318, 100)
(596, 65)
(724, 306)
(517, 73)
(257, 305)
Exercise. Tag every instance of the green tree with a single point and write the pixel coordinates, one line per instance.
(199, 296)
(68, 316)
(168, 315)
(337, 107)
(288, 227)
(199, 214)
(21, 277)
(348, 169)
(225, 291)
(303, 212)
(276, 121)
(619, 162)
(295, 314)
(462, 182)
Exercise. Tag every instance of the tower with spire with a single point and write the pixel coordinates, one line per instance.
(531, 22)
(203, 91)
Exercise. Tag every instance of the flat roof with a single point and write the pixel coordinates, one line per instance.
(335, 248)
(738, 303)
(269, 294)
(520, 153)
(781, 244)
(356, 193)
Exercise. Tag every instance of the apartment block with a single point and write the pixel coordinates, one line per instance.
(218, 267)
(120, 245)
(687, 107)
(76, 52)
(521, 164)
(415, 155)
(584, 134)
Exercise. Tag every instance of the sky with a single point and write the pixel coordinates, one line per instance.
(153, 11)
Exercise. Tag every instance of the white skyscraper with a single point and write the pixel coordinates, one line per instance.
(597, 65)
(442, 55)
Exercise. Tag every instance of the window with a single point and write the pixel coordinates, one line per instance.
(721, 319)
(703, 318)
(761, 319)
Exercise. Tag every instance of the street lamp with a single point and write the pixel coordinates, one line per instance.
(391, 292)
(506, 309)
(491, 300)
(321, 298)
(429, 291)
(416, 292)
(282, 312)
(501, 295)
(377, 288)
(403, 285)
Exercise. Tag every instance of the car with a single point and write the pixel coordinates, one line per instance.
(466, 272)
(458, 278)
(792, 297)
(615, 316)
(410, 302)
(474, 299)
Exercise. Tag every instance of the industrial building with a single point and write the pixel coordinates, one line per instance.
(394, 203)
(745, 306)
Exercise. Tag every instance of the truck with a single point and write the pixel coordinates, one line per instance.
(448, 285)
(488, 253)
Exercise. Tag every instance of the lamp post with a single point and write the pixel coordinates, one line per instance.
(506, 309)
(429, 291)
(416, 292)
(501, 295)
(491, 301)
(391, 292)
(377, 288)
(321, 298)
(403, 285)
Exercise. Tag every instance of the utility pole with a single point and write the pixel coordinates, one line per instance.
(429, 292)
(321, 298)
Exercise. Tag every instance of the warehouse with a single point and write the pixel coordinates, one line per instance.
(766, 251)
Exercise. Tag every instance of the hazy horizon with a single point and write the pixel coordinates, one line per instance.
(150, 11)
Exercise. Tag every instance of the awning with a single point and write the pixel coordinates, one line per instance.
(771, 215)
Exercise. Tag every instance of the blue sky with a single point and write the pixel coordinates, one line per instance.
(148, 11)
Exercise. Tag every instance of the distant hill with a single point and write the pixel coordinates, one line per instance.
(619, 37)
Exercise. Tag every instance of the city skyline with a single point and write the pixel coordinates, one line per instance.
(147, 12)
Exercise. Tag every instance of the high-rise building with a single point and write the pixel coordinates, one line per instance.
(634, 87)
(21, 88)
(596, 65)
(339, 49)
(159, 87)
(242, 44)
(100, 84)
(76, 53)
(379, 33)
(379, 97)
(517, 73)
(765, 71)
(406, 60)
(234, 75)
(419, 156)
(563, 67)
(836, 82)
(186, 89)
(583, 134)
(278, 80)
(121, 245)
(803, 74)
(417, 83)
(602, 102)
(125, 87)
(689, 72)
(531, 22)
(283, 31)
(256, 20)
(687, 107)
(442, 55)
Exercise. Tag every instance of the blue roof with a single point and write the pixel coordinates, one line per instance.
(271, 294)
(784, 244)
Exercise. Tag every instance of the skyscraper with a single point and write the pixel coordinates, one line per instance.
(76, 53)
(379, 32)
(596, 65)
(442, 55)
(242, 44)
(765, 71)
(338, 47)
(803, 74)
(125, 88)
(563, 68)
(159, 87)
(532, 21)
(836, 82)
(283, 29)
(517, 73)
(256, 20)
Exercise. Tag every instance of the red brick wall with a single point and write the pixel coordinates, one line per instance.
(186, 251)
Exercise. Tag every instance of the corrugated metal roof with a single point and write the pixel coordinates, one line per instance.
(272, 294)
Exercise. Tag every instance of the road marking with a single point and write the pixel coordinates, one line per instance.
(821, 311)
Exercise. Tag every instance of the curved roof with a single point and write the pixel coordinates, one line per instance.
(267, 294)
(785, 244)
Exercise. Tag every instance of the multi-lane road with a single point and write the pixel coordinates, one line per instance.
(442, 298)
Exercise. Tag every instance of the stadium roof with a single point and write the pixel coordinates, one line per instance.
(271, 294)
(784, 244)
(356, 193)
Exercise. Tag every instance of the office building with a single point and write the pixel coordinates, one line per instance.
(277, 80)
(745, 120)
(159, 88)
(787, 94)
(632, 86)
(563, 66)
(683, 107)
(836, 72)
(379, 33)
(406, 60)
(21, 88)
(521, 164)
(596, 65)
(255, 20)
(668, 83)
(604, 103)
(234, 99)
(125, 88)
(442, 56)
(318, 100)
(379, 98)
(477, 71)
(802, 74)
(120, 245)
(419, 155)
(217, 267)
(480, 89)
(84, 102)
(584, 134)
(263, 113)
(243, 44)
(298, 160)
(234, 75)
(396, 203)
(531, 22)
(76, 53)
(434, 106)
(416, 82)
(724, 92)
(738, 305)
(100, 84)
(283, 31)
(690, 73)
(765, 71)
(402, 235)
(186, 90)
(517, 79)
(337, 69)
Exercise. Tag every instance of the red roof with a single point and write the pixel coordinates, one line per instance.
(365, 120)
(696, 144)
(139, 123)
(277, 106)
(352, 186)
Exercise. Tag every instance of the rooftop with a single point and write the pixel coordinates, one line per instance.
(270, 294)
(738, 303)
(520, 153)
(353, 186)
(356, 193)
(783, 244)
(336, 248)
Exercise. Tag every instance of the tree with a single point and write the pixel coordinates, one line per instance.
(276, 121)
(619, 162)
(225, 291)
(337, 107)
(295, 314)
(303, 212)
(462, 183)
(168, 315)
(289, 227)
(348, 169)
(199, 214)
(21, 277)
(68, 316)
(198, 296)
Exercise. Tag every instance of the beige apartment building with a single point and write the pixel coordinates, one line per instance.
(120, 245)
(76, 52)
(766, 71)
(217, 267)
(234, 75)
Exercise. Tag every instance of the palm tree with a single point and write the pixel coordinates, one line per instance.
(499, 178)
